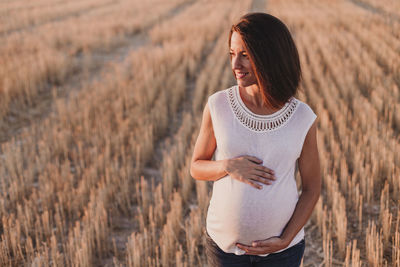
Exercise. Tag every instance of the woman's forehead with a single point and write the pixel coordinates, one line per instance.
(237, 42)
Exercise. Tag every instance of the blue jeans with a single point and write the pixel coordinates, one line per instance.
(290, 257)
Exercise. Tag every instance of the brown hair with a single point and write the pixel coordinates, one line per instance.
(273, 56)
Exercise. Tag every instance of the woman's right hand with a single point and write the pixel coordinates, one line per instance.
(249, 170)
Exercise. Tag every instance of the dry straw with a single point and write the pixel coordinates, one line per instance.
(67, 178)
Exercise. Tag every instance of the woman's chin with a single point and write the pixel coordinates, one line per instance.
(241, 82)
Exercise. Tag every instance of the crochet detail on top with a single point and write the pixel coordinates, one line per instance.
(256, 122)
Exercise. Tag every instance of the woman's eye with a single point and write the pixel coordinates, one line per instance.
(232, 54)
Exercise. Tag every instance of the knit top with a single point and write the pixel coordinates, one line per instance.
(238, 212)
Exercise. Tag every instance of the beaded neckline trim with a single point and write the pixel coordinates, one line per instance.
(257, 122)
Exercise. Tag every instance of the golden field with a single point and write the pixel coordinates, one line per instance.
(101, 103)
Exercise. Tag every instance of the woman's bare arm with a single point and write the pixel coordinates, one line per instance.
(202, 167)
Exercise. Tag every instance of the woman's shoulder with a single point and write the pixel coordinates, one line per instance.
(304, 114)
(218, 101)
(220, 93)
(304, 107)
(218, 96)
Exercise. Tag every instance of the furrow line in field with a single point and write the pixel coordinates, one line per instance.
(175, 11)
(74, 13)
(6, 8)
(376, 10)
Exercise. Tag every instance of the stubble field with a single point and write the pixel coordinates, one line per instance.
(101, 102)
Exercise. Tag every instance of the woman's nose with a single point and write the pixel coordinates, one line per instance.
(236, 64)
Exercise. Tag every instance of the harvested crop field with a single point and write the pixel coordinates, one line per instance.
(101, 104)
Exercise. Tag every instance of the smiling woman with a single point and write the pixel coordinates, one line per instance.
(258, 130)
(272, 57)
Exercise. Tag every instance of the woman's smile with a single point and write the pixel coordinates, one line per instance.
(241, 75)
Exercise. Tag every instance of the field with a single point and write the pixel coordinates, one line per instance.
(101, 103)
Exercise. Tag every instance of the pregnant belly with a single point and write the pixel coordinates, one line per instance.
(240, 213)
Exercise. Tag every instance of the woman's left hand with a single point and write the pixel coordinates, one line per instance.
(269, 245)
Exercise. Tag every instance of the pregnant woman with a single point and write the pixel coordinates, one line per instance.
(258, 130)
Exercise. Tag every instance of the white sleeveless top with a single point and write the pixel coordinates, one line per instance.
(239, 212)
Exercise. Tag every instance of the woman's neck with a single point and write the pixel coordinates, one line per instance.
(252, 96)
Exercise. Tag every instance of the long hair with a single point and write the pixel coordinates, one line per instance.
(273, 56)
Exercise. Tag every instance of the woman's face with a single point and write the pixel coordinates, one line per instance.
(240, 62)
